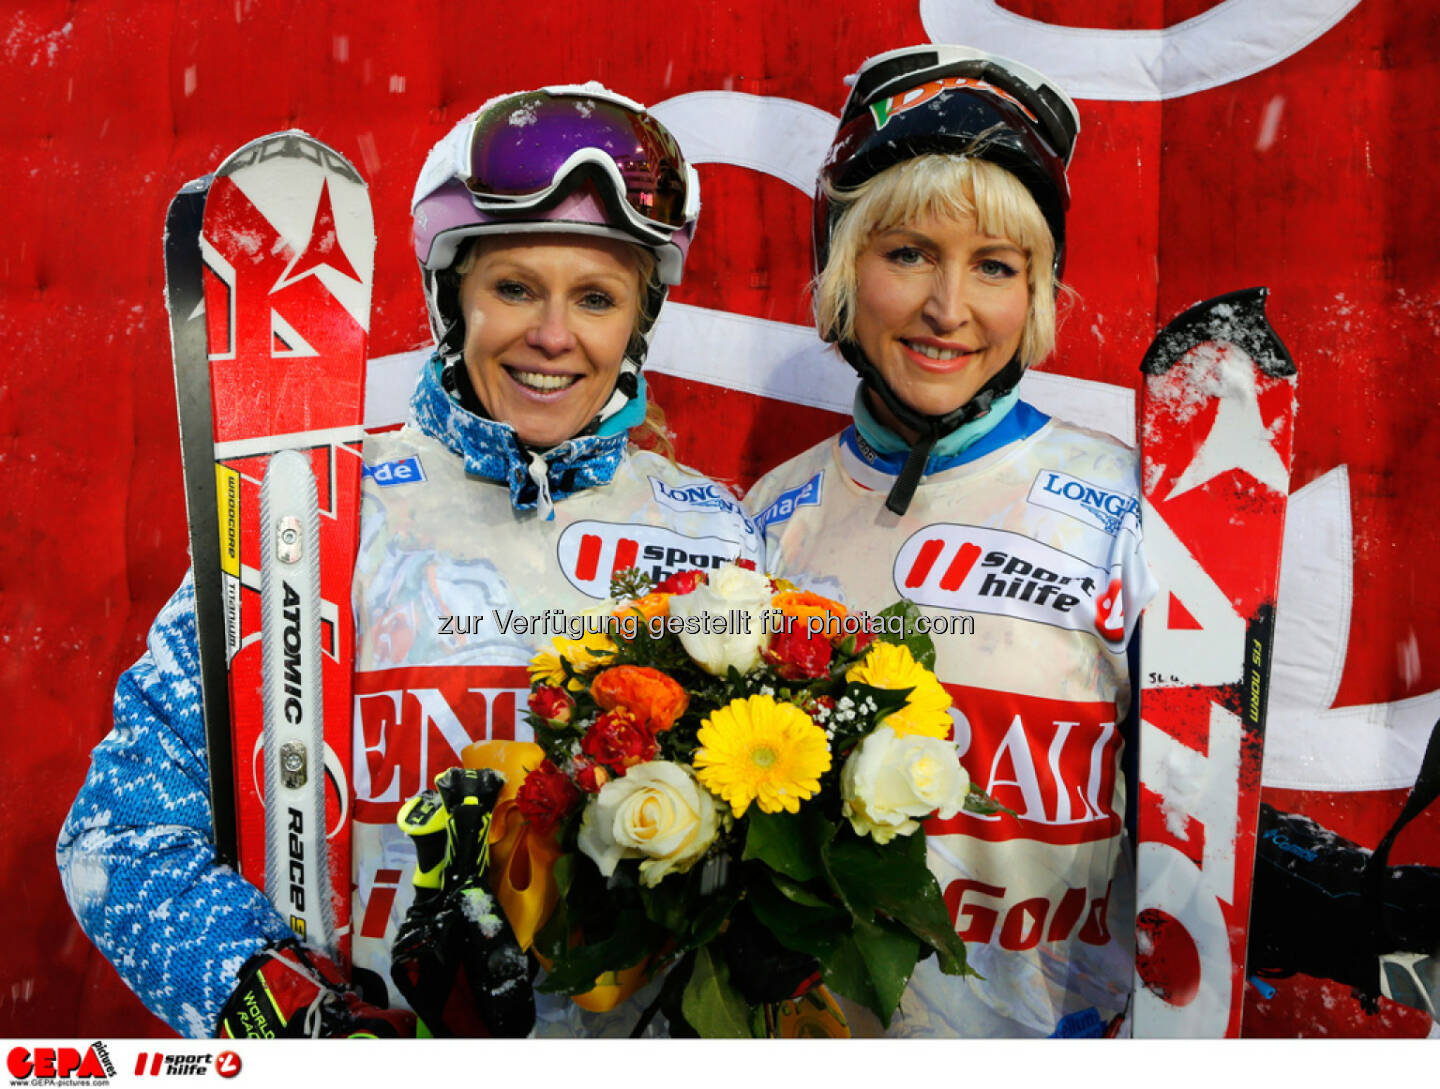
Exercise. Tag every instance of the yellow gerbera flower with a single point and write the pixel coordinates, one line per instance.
(584, 654)
(756, 749)
(890, 665)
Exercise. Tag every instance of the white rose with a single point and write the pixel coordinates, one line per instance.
(657, 812)
(889, 781)
(736, 600)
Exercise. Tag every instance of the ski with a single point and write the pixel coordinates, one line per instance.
(269, 290)
(185, 300)
(1217, 427)
(293, 728)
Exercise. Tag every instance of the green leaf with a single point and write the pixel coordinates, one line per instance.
(712, 1006)
(577, 969)
(929, 920)
(813, 930)
(977, 801)
(852, 866)
(678, 905)
(922, 647)
(846, 973)
(894, 880)
(711, 917)
(889, 952)
(784, 842)
(669, 903)
(563, 873)
(799, 893)
(887, 700)
(552, 938)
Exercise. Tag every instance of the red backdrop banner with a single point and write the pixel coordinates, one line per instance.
(1224, 145)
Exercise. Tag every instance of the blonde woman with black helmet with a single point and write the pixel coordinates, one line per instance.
(939, 237)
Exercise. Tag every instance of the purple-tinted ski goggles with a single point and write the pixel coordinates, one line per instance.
(527, 146)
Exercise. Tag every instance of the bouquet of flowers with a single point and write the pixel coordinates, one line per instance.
(735, 774)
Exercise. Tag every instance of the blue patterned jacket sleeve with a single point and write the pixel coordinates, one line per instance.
(136, 854)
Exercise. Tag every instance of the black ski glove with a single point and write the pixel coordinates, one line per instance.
(455, 958)
(288, 990)
(1320, 908)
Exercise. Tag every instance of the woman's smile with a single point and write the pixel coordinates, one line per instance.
(940, 309)
(540, 383)
(547, 322)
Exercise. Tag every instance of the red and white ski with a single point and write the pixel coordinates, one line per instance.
(270, 305)
(1217, 426)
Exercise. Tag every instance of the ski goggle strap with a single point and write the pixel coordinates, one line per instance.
(523, 148)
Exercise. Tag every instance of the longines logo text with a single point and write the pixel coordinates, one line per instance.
(1082, 500)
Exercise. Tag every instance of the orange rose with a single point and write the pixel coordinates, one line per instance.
(651, 696)
(803, 605)
(647, 607)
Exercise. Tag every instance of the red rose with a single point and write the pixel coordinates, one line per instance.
(797, 655)
(546, 797)
(749, 565)
(552, 703)
(681, 582)
(619, 741)
(590, 776)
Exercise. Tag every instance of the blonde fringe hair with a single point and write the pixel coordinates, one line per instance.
(651, 433)
(940, 185)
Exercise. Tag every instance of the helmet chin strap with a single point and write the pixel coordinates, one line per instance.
(928, 429)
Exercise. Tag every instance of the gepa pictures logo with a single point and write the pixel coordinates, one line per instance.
(60, 1065)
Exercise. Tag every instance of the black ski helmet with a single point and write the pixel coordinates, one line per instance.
(946, 100)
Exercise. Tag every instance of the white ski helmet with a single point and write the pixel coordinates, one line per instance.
(574, 159)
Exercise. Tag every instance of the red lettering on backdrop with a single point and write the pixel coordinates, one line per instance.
(382, 899)
(413, 723)
(977, 909)
(1024, 923)
(1054, 762)
(978, 919)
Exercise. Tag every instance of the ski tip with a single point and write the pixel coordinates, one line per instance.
(1238, 318)
(195, 185)
(187, 198)
(289, 144)
(182, 240)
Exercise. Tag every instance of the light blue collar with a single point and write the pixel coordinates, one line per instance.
(537, 480)
(1009, 419)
